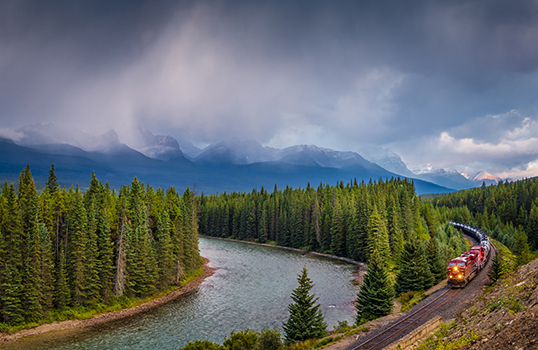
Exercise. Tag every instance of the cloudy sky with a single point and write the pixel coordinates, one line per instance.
(450, 83)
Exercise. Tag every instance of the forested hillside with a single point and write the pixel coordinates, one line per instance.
(349, 220)
(62, 250)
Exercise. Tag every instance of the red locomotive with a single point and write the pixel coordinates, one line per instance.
(463, 268)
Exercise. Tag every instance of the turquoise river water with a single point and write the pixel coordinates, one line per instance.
(250, 289)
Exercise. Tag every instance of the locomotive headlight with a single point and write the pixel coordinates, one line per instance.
(455, 268)
(460, 276)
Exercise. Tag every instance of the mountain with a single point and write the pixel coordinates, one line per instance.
(189, 150)
(487, 178)
(386, 159)
(236, 152)
(444, 177)
(239, 152)
(50, 133)
(120, 164)
(324, 157)
(155, 146)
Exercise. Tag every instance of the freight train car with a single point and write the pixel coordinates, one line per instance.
(466, 266)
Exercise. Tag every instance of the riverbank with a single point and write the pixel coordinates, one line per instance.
(357, 279)
(111, 316)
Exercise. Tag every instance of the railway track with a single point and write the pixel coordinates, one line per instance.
(387, 336)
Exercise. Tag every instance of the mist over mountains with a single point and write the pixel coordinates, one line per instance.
(231, 165)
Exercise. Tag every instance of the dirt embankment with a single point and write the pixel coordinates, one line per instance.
(115, 315)
(504, 316)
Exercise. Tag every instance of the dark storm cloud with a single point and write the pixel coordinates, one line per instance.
(337, 74)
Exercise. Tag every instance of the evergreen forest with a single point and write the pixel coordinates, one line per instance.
(64, 250)
(348, 221)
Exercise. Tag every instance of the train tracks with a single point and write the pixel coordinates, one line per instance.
(387, 336)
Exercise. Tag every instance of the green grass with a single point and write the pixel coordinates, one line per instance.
(410, 299)
(438, 342)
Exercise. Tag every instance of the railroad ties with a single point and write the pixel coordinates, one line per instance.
(390, 334)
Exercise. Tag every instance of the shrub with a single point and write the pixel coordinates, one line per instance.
(243, 340)
(202, 345)
(269, 339)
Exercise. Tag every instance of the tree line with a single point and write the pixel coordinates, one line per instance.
(64, 248)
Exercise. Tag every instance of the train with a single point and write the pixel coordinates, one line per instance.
(465, 267)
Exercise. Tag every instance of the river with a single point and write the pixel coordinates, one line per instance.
(251, 289)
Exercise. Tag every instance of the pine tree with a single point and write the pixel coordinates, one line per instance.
(437, 268)
(532, 227)
(62, 295)
(93, 264)
(78, 274)
(496, 269)
(46, 257)
(163, 248)
(522, 249)
(105, 257)
(428, 279)
(375, 298)
(377, 236)
(410, 276)
(32, 284)
(306, 320)
(52, 182)
(11, 275)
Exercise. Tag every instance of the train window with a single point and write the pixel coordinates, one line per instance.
(461, 264)
(451, 264)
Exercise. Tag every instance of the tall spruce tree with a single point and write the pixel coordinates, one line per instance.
(11, 274)
(437, 267)
(378, 238)
(306, 320)
(410, 276)
(52, 182)
(496, 268)
(376, 294)
(78, 241)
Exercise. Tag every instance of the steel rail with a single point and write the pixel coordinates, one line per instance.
(406, 322)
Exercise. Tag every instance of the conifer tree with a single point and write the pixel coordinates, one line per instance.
(428, 279)
(496, 268)
(410, 276)
(377, 236)
(105, 257)
(521, 249)
(62, 295)
(52, 182)
(532, 227)
(78, 274)
(93, 264)
(164, 252)
(11, 276)
(375, 298)
(32, 283)
(306, 320)
(46, 258)
(437, 268)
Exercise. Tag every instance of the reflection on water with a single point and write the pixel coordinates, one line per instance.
(250, 289)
